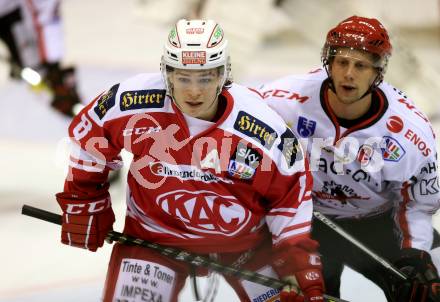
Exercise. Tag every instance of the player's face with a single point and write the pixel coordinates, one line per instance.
(195, 91)
(353, 73)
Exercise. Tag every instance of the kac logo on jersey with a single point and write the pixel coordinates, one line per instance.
(106, 101)
(205, 212)
(306, 127)
(391, 149)
(139, 99)
(244, 162)
(256, 129)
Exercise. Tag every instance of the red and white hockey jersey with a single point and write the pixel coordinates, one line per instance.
(385, 162)
(202, 186)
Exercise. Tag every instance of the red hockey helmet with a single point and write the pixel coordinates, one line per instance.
(359, 33)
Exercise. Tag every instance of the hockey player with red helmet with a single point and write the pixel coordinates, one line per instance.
(214, 171)
(373, 158)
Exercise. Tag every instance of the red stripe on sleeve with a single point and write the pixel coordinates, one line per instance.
(403, 222)
(38, 30)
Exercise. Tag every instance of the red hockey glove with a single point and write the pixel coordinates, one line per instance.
(423, 284)
(86, 220)
(62, 83)
(301, 267)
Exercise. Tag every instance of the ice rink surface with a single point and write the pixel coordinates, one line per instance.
(109, 41)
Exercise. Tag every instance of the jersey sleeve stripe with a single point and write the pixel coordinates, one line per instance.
(403, 221)
(293, 233)
(88, 231)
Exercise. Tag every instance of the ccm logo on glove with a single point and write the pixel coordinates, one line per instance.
(92, 207)
(312, 276)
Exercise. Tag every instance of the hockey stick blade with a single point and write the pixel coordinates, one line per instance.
(175, 254)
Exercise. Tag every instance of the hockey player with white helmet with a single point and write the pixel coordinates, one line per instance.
(373, 158)
(214, 171)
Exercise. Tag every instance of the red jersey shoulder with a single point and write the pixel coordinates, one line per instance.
(144, 92)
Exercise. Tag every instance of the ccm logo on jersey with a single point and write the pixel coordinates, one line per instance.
(253, 127)
(140, 130)
(139, 99)
(106, 101)
(205, 211)
(280, 93)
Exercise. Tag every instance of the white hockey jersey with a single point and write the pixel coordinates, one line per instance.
(225, 188)
(386, 162)
(39, 32)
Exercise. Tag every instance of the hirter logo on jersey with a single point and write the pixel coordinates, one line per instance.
(205, 212)
(105, 102)
(395, 124)
(391, 149)
(306, 127)
(139, 99)
(256, 129)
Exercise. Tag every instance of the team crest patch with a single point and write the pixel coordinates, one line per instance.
(106, 101)
(256, 129)
(290, 148)
(139, 99)
(244, 162)
(306, 127)
(391, 149)
(365, 154)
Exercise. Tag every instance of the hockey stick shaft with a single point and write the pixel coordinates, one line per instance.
(175, 254)
(328, 222)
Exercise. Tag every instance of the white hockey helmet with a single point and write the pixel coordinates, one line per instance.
(197, 45)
